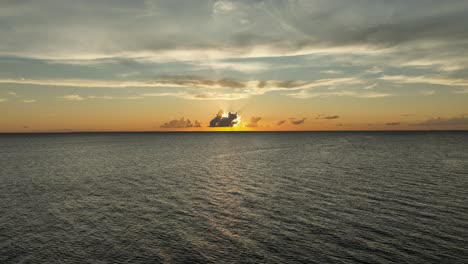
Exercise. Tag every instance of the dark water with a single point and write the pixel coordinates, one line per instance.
(234, 198)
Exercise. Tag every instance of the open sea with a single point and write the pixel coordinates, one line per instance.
(312, 197)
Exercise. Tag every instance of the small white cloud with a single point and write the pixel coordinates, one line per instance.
(374, 70)
(12, 93)
(244, 21)
(331, 72)
(29, 101)
(72, 97)
(2, 100)
(223, 7)
(105, 97)
(374, 95)
(372, 86)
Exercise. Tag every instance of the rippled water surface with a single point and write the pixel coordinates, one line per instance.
(234, 198)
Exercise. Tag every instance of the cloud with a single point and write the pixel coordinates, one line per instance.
(248, 67)
(2, 99)
(72, 97)
(331, 72)
(372, 86)
(223, 7)
(181, 123)
(280, 122)
(29, 100)
(197, 88)
(257, 85)
(385, 26)
(298, 121)
(254, 121)
(303, 94)
(443, 121)
(365, 39)
(224, 120)
(321, 116)
(393, 124)
(374, 70)
(426, 80)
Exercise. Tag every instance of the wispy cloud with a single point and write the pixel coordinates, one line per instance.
(393, 124)
(203, 89)
(328, 117)
(331, 72)
(184, 82)
(372, 86)
(425, 79)
(248, 67)
(418, 31)
(351, 93)
(72, 97)
(374, 70)
(223, 7)
(298, 121)
(29, 101)
(254, 121)
(279, 123)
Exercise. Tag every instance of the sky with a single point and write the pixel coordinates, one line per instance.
(154, 65)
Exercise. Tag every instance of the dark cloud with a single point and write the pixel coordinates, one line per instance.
(298, 121)
(393, 124)
(181, 123)
(224, 121)
(440, 121)
(322, 116)
(254, 121)
(280, 122)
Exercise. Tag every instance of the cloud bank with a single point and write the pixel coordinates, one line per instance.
(181, 123)
(441, 121)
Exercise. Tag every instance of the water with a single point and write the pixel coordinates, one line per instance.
(234, 198)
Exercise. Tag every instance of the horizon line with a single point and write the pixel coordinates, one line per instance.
(242, 131)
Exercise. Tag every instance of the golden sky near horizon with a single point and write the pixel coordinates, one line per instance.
(282, 65)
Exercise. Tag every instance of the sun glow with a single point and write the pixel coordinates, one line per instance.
(237, 121)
